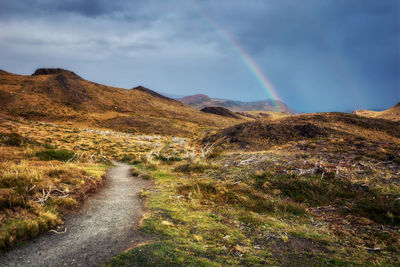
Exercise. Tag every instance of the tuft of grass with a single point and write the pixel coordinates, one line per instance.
(381, 209)
(16, 229)
(55, 154)
(318, 191)
(128, 158)
(14, 139)
(145, 176)
(135, 172)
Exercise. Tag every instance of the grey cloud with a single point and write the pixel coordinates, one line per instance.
(311, 50)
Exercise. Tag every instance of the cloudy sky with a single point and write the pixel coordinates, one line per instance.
(319, 55)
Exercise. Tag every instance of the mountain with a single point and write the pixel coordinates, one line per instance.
(200, 101)
(61, 95)
(392, 113)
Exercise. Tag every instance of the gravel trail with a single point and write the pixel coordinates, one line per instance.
(103, 228)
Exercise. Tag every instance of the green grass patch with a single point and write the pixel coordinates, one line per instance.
(313, 190)
(55, 154)
(327, 190)
(14, 139)
(382, 209)
(165, 253)
(16, 229)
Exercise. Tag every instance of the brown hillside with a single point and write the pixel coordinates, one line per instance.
(392, 113)
(263, 134)
(61, 95)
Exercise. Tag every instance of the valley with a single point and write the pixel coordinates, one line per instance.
(254, 188)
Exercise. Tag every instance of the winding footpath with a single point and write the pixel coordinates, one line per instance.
(103, 228)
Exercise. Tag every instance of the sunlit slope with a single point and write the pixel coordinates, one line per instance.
(392, 113)
(336, 131)
(61, 95)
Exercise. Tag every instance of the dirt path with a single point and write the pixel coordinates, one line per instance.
(102, 229)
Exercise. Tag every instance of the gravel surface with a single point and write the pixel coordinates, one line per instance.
(103, 228)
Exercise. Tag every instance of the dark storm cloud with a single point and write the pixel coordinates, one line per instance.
(356, 45)
(320, 54)
(90, 8)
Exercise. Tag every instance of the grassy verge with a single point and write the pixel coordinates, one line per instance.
(203, 222)
(34, 196)
(47, 169)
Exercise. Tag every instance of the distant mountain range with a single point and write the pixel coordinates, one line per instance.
(201, 101)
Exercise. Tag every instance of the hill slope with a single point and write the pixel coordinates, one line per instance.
(200, 101)
(263, 134)
(61, 95)
(392, 113)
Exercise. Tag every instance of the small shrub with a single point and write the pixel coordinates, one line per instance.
(145, 176)
(135, 172)
(9, 198)
(55, 154)
(216, 153)
(48, 146)
(56, 173)
(14, 139)
(382, 209)
(66, 202)
(128, 158)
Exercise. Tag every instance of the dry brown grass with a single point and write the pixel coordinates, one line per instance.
(392, 113)
(323, 190)
(66, 97)
(263, 134)
(47, 169)
(262, 114)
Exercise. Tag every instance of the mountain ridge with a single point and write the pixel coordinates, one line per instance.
(61, 95)
(200, 101)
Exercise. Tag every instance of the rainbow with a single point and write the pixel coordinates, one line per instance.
(246, 58)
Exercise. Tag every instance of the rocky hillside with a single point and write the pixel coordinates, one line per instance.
(62, 95)
(200, 101)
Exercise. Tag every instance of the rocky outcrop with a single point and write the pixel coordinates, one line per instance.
(49, 71)
(220, 111)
